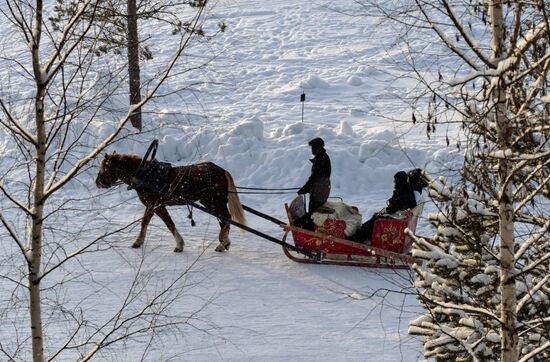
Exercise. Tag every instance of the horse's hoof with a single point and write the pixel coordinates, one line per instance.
(135, 246)
(178, 250)
(221, 247)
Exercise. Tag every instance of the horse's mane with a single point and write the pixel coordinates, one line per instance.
(125, 161)
(125, 157)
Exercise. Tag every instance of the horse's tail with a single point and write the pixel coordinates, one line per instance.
(235, 207)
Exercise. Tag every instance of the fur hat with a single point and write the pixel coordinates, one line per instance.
(317, 143)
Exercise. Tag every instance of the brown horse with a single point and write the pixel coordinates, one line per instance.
(205, 182)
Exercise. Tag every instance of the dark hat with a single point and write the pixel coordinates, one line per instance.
(317, 142)
(400, 179)
(400, 176)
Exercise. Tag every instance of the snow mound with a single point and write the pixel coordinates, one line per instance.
(354, 81)
(314, 82)
(249, 129)
(345, 129)
(293, 129)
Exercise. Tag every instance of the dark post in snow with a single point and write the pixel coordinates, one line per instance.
(303, 99)
(133, 63)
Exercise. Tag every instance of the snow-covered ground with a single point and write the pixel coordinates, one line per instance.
(252, 303)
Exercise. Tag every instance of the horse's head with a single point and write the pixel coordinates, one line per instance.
(108, 173)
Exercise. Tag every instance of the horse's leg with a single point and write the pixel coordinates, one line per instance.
(144, 223)
(223, 237)
(165, 216)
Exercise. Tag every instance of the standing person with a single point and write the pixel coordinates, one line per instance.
(318, 184)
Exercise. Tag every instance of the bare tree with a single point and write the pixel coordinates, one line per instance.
(484, 66)
(55, 120)
(133, 61)
(117, 32)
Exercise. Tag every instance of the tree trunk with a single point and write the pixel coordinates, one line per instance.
(35, 234)
(133, 63)
(509, 337)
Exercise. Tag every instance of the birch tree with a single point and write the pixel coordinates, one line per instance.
(483, 66)
(56, 118)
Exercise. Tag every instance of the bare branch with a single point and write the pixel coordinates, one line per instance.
(14, 236)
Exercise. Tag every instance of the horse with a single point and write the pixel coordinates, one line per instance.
(205, 182)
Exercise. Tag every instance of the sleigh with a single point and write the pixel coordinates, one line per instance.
(390, 246)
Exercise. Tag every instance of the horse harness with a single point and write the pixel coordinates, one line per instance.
(151, 175)
(154, 177)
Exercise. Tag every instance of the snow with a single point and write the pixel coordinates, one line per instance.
(314, 81)
(481, 279)
(252, 303)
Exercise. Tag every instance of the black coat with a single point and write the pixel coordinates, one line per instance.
(318, 183)
(320, 169)
(401, 199)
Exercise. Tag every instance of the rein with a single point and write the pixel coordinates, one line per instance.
(259, 188)
(274, 191)
(152, 151)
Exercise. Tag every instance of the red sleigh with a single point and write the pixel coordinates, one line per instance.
(390, 246)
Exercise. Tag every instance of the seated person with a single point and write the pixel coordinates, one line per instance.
(403, 198)
(418, 182)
